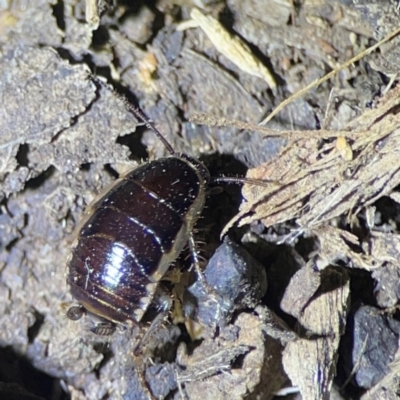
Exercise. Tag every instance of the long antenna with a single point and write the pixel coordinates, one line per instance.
(137, 112)
(238, 180)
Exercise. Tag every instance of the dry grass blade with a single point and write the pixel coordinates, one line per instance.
(330, 75)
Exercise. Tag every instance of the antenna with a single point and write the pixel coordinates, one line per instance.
(238, 180)
(137, 112)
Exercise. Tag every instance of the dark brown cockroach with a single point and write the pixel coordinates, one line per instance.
(132, 234)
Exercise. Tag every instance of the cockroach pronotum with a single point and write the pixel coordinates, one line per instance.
(131, 235)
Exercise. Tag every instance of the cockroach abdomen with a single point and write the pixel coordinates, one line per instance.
(136, 230)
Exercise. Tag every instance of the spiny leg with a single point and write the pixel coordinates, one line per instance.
(141, 375)
(162, 303)
(209, 290)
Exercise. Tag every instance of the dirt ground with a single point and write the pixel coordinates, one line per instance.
(303, 263)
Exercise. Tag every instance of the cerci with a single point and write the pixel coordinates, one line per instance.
(131, 235)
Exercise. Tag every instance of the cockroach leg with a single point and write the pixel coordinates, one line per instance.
(104, 329)
(213, 295)
(163, 304)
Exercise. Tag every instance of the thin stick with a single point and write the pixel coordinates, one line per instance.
(328, 76)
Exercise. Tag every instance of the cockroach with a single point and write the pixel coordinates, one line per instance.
(130, 236)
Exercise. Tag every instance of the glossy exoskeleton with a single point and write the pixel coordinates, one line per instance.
(131, 235)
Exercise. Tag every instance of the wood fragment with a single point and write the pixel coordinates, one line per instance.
(313, 359)
(344, 148)
(316, 185)
(92, 14)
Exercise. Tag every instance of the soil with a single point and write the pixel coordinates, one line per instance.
(301, 263)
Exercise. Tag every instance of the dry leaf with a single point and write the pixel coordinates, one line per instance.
(232, 47)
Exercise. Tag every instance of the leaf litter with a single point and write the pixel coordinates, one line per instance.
(323, 187)
(323, 184)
